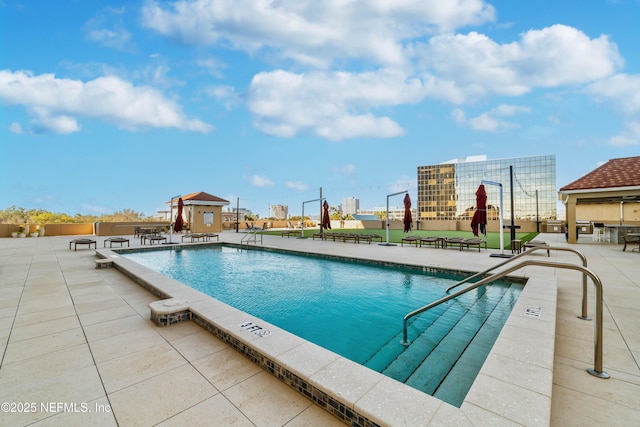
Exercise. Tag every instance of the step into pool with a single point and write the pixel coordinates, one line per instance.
(354, 309)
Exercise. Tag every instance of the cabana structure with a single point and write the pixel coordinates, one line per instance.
(202, 212)
(610, 194)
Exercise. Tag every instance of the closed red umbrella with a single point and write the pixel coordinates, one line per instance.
(177, 227)
(479, 220)
(326, 221)
(408, 221)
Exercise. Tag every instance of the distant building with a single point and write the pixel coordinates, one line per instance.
(279, 211)
(350, 205)
(447, 191)
(232, 214)
(395, 212)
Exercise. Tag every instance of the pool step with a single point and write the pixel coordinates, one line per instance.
(455, 340)
(457, 382)
(433, 323)
(462, 319)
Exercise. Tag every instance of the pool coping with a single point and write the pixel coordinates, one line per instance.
(514, 384)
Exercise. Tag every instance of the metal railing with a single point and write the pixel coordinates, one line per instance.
(597, 369)
(547, 248)
(252, 236)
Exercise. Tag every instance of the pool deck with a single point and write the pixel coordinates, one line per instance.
(78, 347)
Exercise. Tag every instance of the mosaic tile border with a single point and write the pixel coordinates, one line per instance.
(320, 398)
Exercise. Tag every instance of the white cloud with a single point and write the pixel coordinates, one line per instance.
(630, 136)
(213, 66)
(345, 170)
(314, 32)
(490, 121)
(415, 36)
(332, 105)
(16, 128)
(472, 66)
(57, 104)
(108, 30)
(226, 94)
(297, 185)
(261, 181)
(621, 90)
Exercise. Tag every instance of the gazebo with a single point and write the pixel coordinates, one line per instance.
(609, 194)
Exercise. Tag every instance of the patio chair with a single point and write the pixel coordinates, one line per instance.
(112, 240)
(82, 241)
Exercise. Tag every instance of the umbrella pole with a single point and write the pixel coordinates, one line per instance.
(501, 254)
(171, 218)
(308, 201)
(387, 218)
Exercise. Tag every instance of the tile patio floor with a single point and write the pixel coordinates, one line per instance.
(77, 343)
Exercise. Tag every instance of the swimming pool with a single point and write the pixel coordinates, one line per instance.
(353, 309)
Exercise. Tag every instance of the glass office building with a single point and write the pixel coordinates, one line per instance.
(448, 191)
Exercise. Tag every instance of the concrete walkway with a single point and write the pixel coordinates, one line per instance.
(78, 347)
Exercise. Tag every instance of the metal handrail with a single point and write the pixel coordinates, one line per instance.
(597, 369)
(252, 235)
(547, 248)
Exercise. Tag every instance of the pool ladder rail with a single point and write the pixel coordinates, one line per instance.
(597, 369)
(252, 236)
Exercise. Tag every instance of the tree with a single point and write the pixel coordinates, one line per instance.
(380, 214)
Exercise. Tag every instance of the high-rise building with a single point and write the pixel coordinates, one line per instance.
(279, 211)
(447, 191)
(350, 205)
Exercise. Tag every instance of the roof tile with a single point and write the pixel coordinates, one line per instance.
(623, 172)
(204, 197)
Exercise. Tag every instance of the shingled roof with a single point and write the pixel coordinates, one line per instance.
(616, 173)
(201, 197)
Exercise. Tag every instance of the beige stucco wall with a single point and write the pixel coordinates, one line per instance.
(608, 213)
(196, 215)
(51, 229)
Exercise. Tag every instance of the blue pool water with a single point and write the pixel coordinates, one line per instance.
(353, 309)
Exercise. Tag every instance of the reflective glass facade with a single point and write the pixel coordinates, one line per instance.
(448, 191)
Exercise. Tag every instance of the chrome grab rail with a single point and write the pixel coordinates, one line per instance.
(597, 369)
(252, 235)
(584, 315)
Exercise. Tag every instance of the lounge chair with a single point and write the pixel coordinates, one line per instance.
(319, 235)
(535, 244)
(290, 233)
(473, 242)
(452, 241)
(369, 237)
(153, 238)
(432, 240)
(410, 239)
(193, 236)
(208, 236)
(629, 239)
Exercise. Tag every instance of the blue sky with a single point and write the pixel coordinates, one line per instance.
(107, 105)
